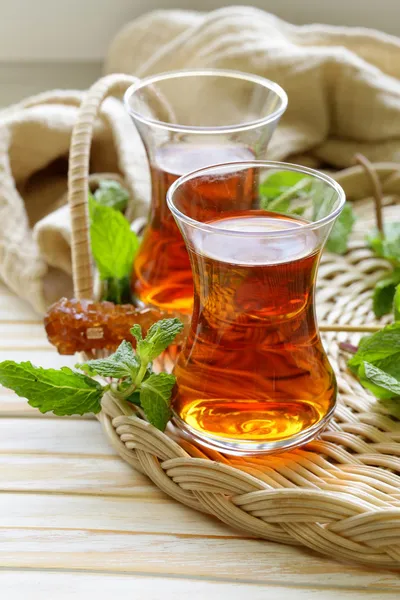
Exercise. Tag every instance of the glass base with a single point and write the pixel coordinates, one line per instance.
(239, 447)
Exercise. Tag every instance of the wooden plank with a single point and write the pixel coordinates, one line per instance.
(12, 405)
(21, 341)
(176, 555)
(40, 585)
(70, 475)
(44, 357)
(53, 436)
(151, 512)
(22, 336)
(27, 335)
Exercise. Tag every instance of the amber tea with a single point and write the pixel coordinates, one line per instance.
(162, 275)
(253, 375)
(253, 367)
(188, 120)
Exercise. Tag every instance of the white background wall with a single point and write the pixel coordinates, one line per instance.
(51, 30)
(61, 43)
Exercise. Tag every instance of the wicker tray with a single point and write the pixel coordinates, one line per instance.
(340, 494)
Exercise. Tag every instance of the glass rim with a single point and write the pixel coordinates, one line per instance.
(267, 164)
(229, 73)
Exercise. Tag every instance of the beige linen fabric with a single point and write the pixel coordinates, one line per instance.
(343, 83)
(344, 97)
(35, 260)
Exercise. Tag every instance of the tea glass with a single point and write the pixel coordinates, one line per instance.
(253, 375)
(188, 120)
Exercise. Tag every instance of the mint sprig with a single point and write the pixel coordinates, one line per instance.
(279, 189)
(158, 338)
(385, 385)
(114, 246)
(386, 244)
(64, 392)
(155, 394)
(380, 346)
(376, 363)
(111, 193)
(123, 363)
(131, 379)
(384, 293)
(293, 193)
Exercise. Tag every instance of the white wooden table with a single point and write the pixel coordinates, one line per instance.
(77, 522)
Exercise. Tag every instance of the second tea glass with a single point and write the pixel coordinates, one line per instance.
(188, 120)
(253, 375)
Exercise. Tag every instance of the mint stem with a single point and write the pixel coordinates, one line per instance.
(300, 185)
(122, 395)
(140, 375)
(377, 189)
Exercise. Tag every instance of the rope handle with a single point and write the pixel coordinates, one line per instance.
(78, 178)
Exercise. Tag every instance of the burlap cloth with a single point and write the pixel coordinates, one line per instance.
(344, 97)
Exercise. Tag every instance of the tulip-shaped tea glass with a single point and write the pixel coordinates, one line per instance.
(253, 375)
(188, 120)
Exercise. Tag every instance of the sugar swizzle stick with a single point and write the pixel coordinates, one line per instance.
(82, 325)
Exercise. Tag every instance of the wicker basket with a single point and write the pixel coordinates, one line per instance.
(340, 494)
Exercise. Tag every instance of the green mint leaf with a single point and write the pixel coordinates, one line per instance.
(378, 391)
(396, 303)
(387, 246)
(158, 338)
(136, 331)
(155, 398)
(279, 189)
(383, 345)
(111, 193)
(278, 204)
(377, 362)
(383, 295)
(390, 364)
(339, 236)
(123, 363)
(386, 385)
(287, 192)
(278, 183)
(63, 391)
(392, 405)
(125, 354)
(114, 245)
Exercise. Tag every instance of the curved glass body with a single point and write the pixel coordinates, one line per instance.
(253, 375)
(188, 120)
